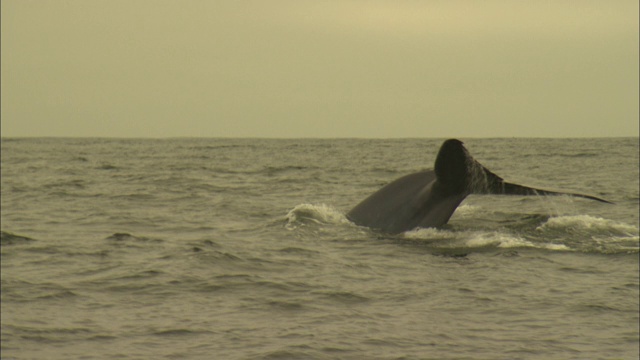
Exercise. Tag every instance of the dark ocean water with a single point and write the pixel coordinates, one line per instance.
(239, 249)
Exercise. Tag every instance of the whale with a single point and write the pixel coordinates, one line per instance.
(428, 198)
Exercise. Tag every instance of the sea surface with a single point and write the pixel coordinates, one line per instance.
(240, 249)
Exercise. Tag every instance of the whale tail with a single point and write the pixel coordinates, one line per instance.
(496, 185)
(457, 168)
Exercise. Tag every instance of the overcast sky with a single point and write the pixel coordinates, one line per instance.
(165, 68)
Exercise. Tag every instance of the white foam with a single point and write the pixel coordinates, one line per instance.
(429, 234)
(468, 210)
(317, 213)
(586, 223)
(479, 239)
(503, 240)
(507, 241)
(482, 239)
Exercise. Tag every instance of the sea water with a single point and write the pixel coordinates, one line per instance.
(240, 249)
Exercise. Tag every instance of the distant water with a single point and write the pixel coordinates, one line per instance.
(239, 249)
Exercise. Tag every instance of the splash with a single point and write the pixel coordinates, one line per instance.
(585, 224)
(429, 234)
(511, 241)
(592, 234)
(445, 239)
(310, 213)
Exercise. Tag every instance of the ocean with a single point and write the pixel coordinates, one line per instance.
(240, 249)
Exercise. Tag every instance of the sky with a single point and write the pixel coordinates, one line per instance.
(321, 69)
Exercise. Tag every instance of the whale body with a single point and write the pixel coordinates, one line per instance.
(429, 198)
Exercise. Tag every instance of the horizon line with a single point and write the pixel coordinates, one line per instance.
(312, 137)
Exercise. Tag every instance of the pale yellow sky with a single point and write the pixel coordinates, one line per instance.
(165, 68)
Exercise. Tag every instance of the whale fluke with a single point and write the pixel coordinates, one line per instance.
(429, 198)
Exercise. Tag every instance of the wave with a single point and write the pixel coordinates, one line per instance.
(7, 238)
(24, 291)
(177, 332)
(126, 237)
